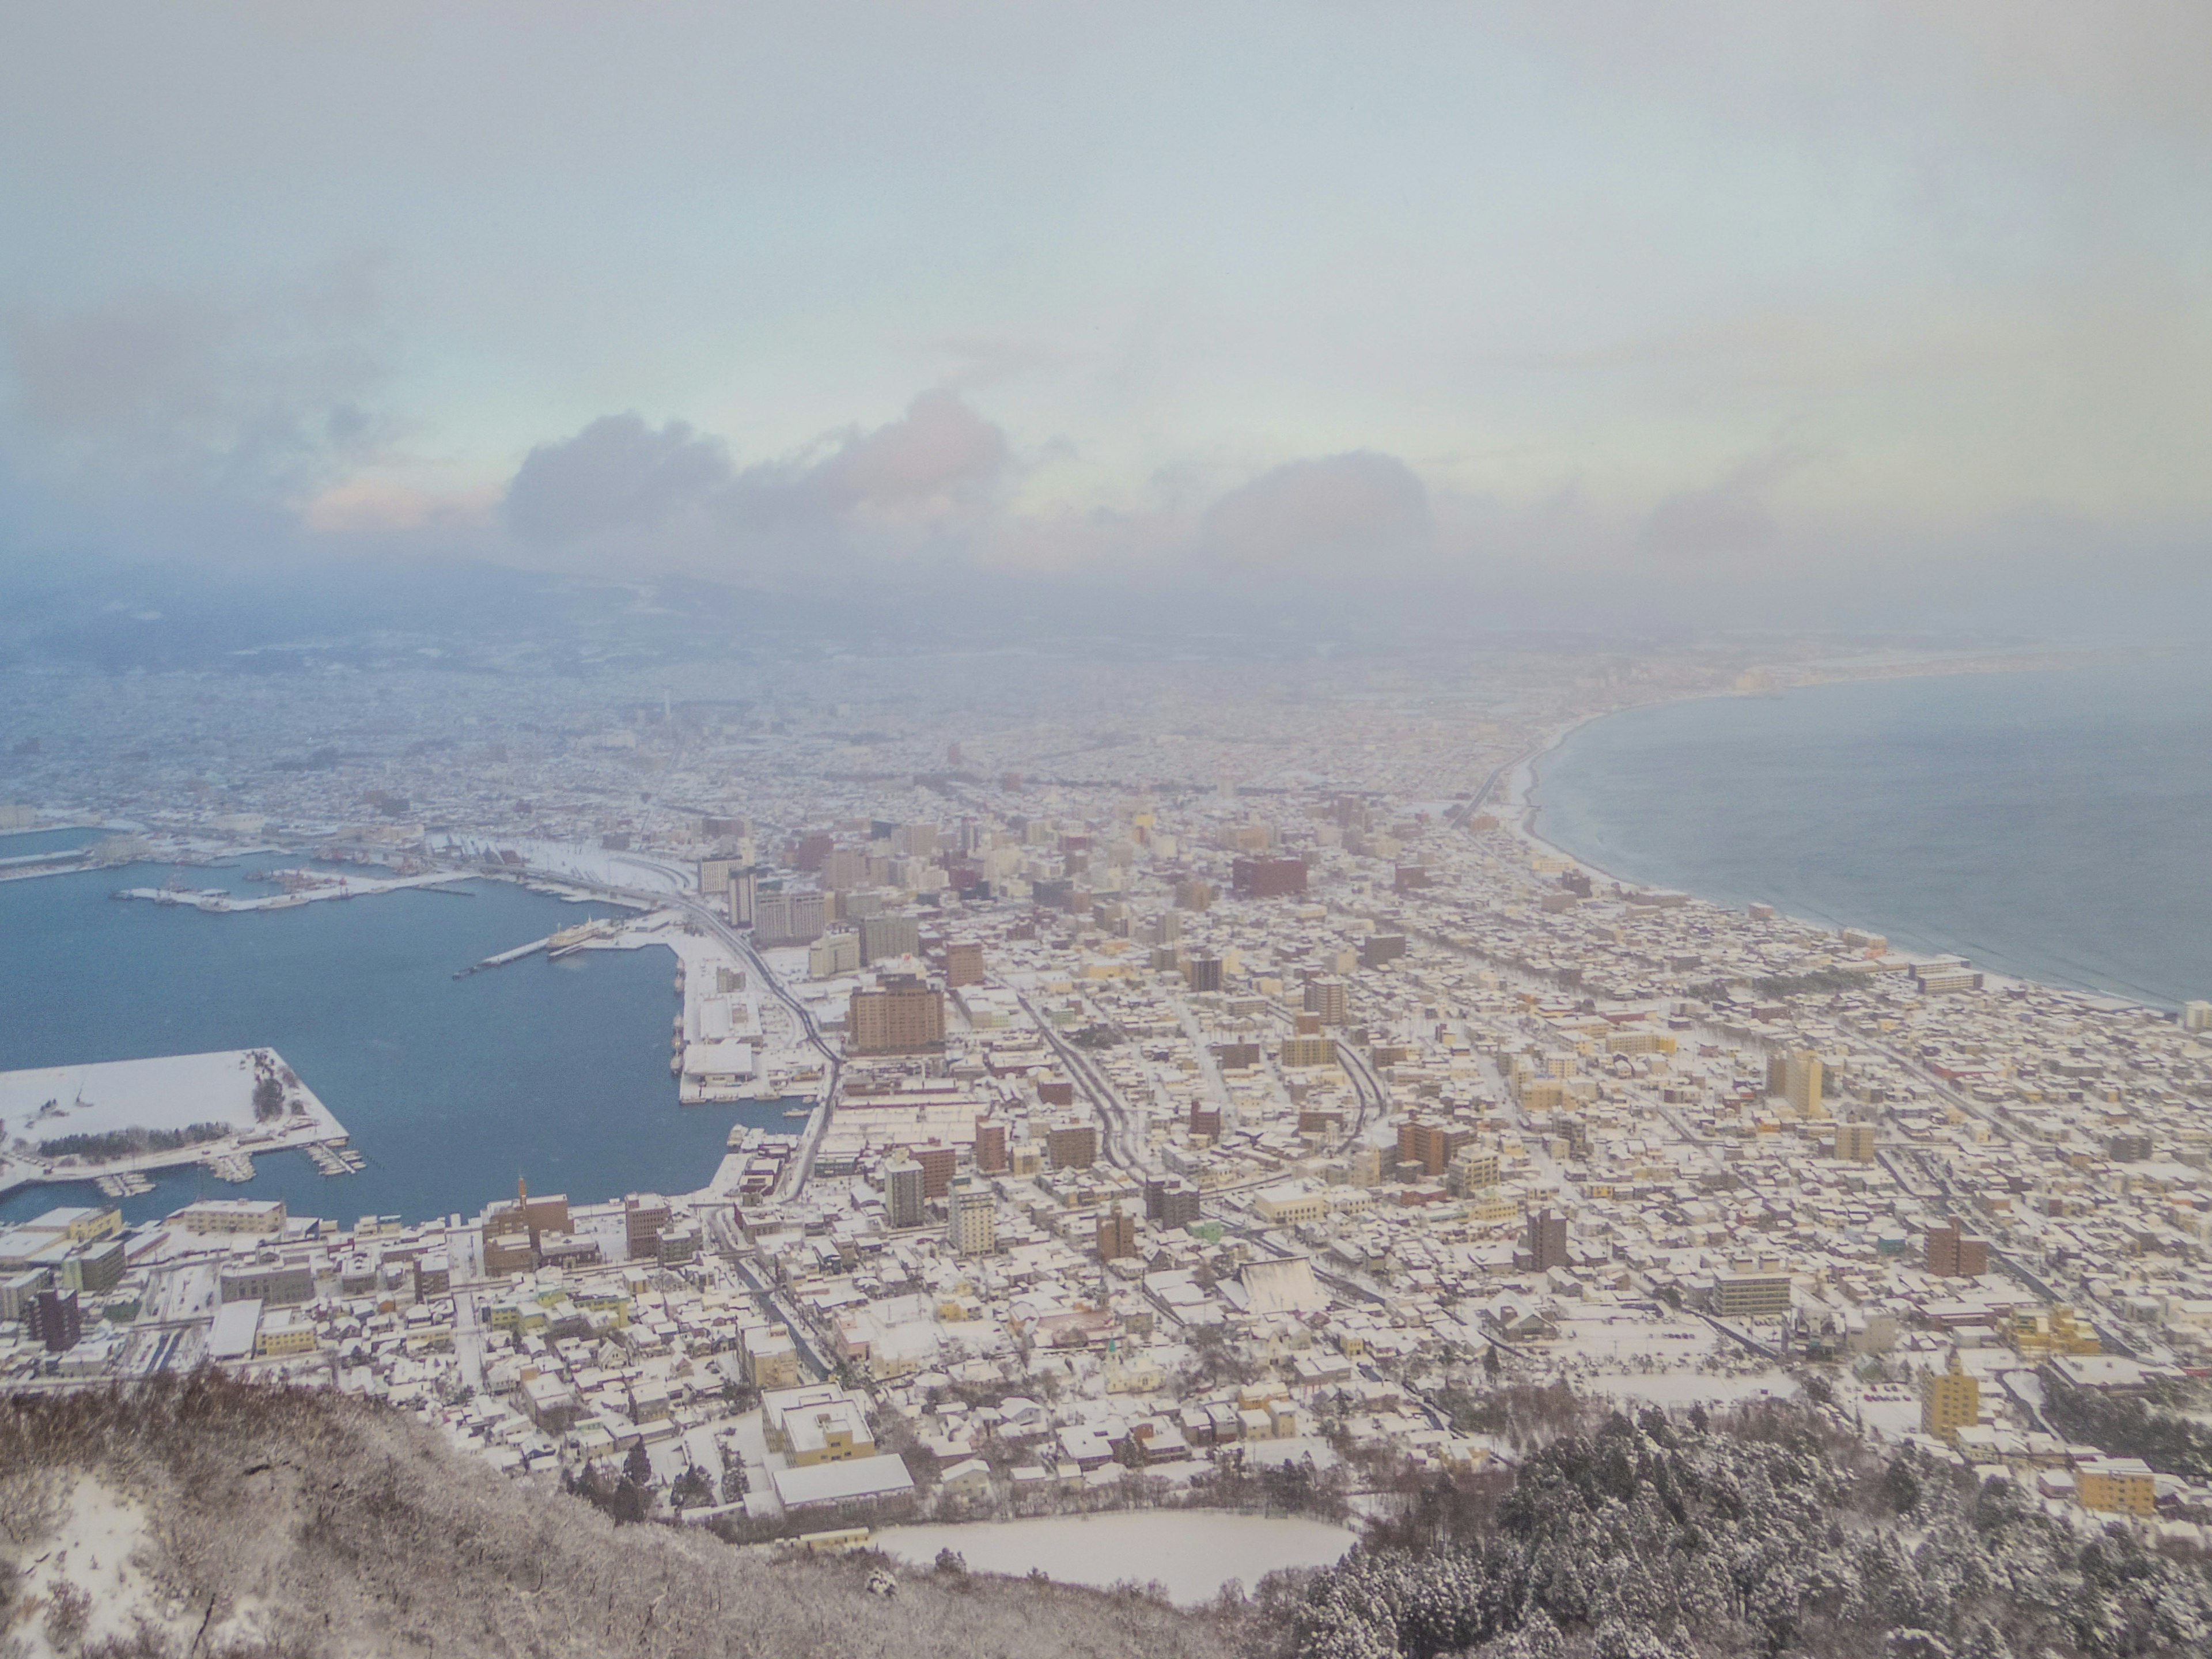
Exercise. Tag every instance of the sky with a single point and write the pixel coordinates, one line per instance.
(1747, 310)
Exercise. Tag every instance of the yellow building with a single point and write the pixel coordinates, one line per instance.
(1949, 1401)
(1801, 1083)
(2118, 1485)
(2043, 1332)
(1855, 1142)
(1281, 1208)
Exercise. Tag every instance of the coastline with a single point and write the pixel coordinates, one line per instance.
(1519, 807)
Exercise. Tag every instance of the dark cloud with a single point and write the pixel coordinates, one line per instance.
(1309, 514)
(616, 476)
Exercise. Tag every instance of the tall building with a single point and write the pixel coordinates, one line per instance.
(938, 1163)
(1326, 998)
(1547, 1243)
(903, 1201)
(892, 936)
(788, 917)
(1800, 1077)
(1073, 1146)
(1432, 1145)
(1949, 1401)
(645, 1218)
(975, 1217)
(1308, 1051)
(1170, 1203)
(902, 1016)
(1118, 1236)
(1954, 1255)
(745, 896)
(990, 1146)
(1855, 1142)
(963, 965)
(52, 1318)
(1204, 973)
(2197, 1016)
(1473, 1170)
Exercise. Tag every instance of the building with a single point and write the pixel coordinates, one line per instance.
(1954, 1255)
(258, 1218)
(1262, 877)
(990, 1146)
(1202, 972)
(1760, 1293)
(54, 1320)
(902, 1016)
(1170, 1203)
(834, 955)
(2117, 1485)
(1073, 1146)
(2197, 1016)
(1949, 1400)
(645, 1217)
(1377, 949)
(938, 1163)
(1545, 1244)
(272, 1283)
(1326, 997)
(890, 936)
(2128, 1146)
(1473, 1170)
(1308, 1051)
(975, 1218)
(1433, 1146)
(786, 917)
(1205, 1121)
(963, 965)
(904, 1195)
(1118, 1236)
(1796, 1077)
(1855, 1142)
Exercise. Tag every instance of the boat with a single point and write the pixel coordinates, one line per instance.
(802, 1113)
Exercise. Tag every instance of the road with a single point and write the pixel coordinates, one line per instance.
(1120, 1140)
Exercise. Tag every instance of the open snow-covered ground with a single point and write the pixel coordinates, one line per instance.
(168, 1092)
(1193, 1552)
(1674, 1387)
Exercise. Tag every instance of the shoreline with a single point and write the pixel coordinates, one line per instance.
(1519, 792)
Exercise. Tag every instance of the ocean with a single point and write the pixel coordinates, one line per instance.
(452, 1089)
(2051, 825)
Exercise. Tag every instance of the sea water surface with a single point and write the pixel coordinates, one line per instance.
(2053, 826)
(450, 1088)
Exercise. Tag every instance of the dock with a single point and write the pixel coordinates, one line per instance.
(505, 957)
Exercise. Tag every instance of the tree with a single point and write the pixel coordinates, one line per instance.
(637, 1467)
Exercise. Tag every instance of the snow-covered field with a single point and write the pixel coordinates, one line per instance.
(171, 1092)
(1193, 1552)
(1687, 1388)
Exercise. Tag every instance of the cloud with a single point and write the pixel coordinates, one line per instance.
(1726, 520)
(940, 459)
(670, 497)
(178, 395)
(616, 476)
(1310, 515)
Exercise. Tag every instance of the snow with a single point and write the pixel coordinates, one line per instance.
(170, 1093)
(1192, 1552)
(93, 1549)
(1674, 1387)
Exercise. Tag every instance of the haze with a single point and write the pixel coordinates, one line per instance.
(1859, 313)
